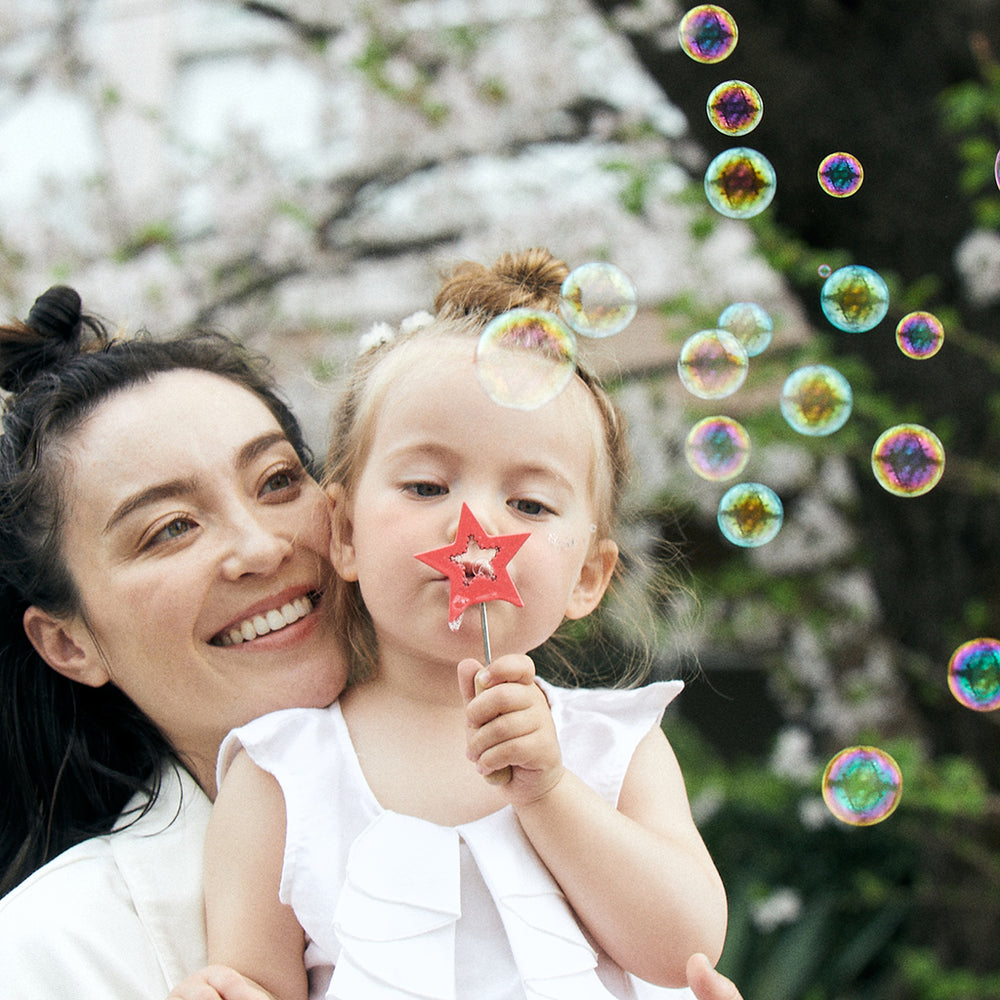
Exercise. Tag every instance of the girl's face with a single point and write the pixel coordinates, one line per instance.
(190, 522)
(439, 441)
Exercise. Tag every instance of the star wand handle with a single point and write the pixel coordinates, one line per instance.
(504, 775)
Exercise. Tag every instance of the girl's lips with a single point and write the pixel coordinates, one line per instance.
(267, 620)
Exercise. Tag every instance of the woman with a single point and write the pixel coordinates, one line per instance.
(163, 560)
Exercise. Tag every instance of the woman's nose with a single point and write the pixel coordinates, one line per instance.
(255, 547)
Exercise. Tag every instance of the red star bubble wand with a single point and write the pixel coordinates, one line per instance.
(476, 566)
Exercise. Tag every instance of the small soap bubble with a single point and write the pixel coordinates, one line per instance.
(734, 107)
(824, 270)
(920, 335)
(712, 364)
(908, 460)
(816, 400)
(598, 299)
(708, 33)
(840, 175)
(862, 785)
(996, 169)
(974, 674)
(750, 324)
(855, 298)
(717, 448)
(525, 357)
(750, 514)
(740, 183)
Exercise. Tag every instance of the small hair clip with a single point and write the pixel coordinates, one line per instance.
(380, 333)
(416, 321)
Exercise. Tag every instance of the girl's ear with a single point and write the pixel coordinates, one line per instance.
(66, 646)
(342, 533)
(595, 575)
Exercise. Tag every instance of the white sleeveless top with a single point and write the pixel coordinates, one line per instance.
(379, 894)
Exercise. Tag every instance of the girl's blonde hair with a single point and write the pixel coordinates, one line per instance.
(469, 298)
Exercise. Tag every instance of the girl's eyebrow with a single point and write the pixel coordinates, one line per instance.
(180, 487)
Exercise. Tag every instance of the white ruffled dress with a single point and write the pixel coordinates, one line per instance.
(380, 894)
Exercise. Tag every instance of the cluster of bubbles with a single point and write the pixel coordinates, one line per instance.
(862, 785)
(840, 175)
(526, 357)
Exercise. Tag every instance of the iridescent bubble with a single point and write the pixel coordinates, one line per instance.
(750, 324)
(840, 175)
(862, 785)
(824, 270)
(740, 183)
(734, 107)
(855, 298)
(712, 364)
(816, 400)
(996, 169)
(974, 674)
(908, 460)
(525, 357)
(717, 448)
(598, 299)
(920, 335)
(750, 514)
(708, 33)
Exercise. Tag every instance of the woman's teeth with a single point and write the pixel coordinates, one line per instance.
(269, 621)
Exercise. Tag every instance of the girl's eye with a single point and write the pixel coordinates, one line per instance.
(426, 489)
(533, 508)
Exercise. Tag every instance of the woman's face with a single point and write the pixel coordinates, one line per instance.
(190, 527)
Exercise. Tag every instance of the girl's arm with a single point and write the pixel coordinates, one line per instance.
(639, 877)
(249, 928)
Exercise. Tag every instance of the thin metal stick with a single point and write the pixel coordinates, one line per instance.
(487, 655)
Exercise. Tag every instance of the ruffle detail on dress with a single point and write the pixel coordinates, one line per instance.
(553, 956)
(396, 915)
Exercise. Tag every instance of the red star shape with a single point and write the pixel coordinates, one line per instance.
(476, 565)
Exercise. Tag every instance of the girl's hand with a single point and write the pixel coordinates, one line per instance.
(706, 983)
(510, 725)
(218, 982)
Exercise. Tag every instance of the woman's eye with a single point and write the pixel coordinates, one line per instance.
(427, 489)
(173, 529)
(284, 479)
(533, 508)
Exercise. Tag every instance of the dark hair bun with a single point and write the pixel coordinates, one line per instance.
(51, 335)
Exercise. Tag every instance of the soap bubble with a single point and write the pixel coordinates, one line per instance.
(712, 364)
(840, 175)
(750, 324)
(996, 169)
(974, 674)
(855, 298)
(908, 460)
(734, 107)
(750, 514)
(862, 785)
(708, 33)
(598, 299)
(920, 335)
(816, 400)
(824, 270)
(717, 448)
(525, 357)
(740, 183)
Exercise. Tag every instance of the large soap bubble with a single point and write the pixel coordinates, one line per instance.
(840, 175)
(750, 514)
(974, 674)
(708, 33)
(717, 448)
(751, 325)
(920, 335)
(908, 460)
(862, 785)
(734, 107)
(712, 364)
(855, 298)
(740, 183)
(598, 299)
(816, 400)
(525, 357)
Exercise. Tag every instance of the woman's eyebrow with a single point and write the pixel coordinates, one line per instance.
(180, 487)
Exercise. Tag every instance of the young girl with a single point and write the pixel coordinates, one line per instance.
(395, 861)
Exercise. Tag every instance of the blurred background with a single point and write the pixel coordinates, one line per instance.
(293, 171)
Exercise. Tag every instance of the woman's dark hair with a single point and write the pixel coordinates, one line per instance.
(71, 756)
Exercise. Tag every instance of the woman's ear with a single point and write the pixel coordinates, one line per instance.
(66, 646)
(342, 533)
(595, 575)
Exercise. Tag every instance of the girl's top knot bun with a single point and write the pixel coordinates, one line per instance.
(528, 279)
(51, 336)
